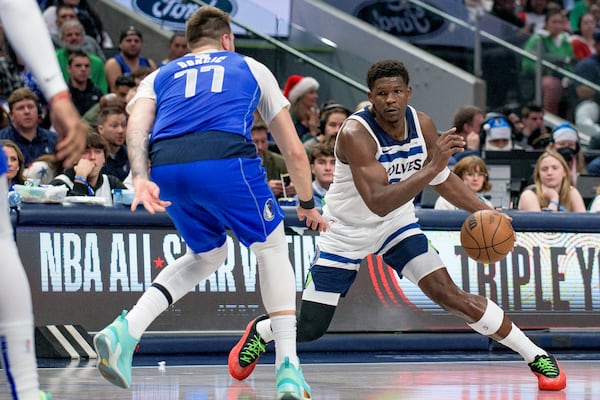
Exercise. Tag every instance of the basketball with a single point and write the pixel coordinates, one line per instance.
(487, 236)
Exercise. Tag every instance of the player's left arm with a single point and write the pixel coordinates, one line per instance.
(452, 188)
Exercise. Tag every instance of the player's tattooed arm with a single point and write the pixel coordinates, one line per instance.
(138, 128)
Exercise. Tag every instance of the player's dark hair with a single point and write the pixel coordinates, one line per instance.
(207, 24)
(386, 69)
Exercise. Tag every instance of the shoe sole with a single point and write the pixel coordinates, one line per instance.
(105, 366)
(235, 370)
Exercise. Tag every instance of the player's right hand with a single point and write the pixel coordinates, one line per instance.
(147, 192)
(314, 219)
(71, 131)
(448, 144)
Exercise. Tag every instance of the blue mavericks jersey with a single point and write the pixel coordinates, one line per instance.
(218, 91)
(3, 164)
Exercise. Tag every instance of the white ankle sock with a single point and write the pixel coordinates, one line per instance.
(149, 306)
(517, 341)
(284, 332)
(264, 330)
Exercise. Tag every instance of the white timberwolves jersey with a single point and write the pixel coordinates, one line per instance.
(400, 159)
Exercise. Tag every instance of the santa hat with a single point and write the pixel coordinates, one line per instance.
(565, 132)
(497, 128)
(297, 85)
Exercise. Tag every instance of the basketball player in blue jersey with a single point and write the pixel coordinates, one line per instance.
(207, 175)
(16, 314)
(385, 155)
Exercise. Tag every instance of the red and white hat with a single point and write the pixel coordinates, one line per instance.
(297, 85)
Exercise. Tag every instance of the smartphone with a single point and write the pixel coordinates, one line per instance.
(285, 179)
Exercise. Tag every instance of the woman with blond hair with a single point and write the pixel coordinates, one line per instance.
(552, 189)
(16, 163)
(473, 171)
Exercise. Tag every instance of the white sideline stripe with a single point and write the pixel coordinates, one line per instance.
(63, 341)
(81, 341)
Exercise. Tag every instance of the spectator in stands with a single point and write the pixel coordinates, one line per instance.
(557, 49)
(534, 134)
(595, 204)
(85, 178)
(302, 93)
(322, 166)
(83, 91)
(579, 8)
(473, 171)
(24, 129)
(552, 189)
(85, 14)
(44, 169)
(10, 76)
(506, 10)
(271, 161)
(112, 124)
(332, 116)
(177, 48)
(589, 69)
(565, 141)
(129, 57)
(534, 15)
(110, 100)
(72, 36)
(583, 39)
(497, 133)
(468, 120)
(16, 164)
(89, 45)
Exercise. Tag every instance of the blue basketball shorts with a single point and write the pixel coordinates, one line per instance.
(209, 197)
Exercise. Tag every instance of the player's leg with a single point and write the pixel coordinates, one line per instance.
(278, 292)
(324, 287)
(116, 343)
(205, 238)
(483, 316)
(16, 315)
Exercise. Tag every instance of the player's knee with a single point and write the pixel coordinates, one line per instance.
(314, 320)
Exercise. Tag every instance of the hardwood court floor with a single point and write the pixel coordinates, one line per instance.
(389, 378)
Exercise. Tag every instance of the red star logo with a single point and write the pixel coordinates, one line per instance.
(159, 263)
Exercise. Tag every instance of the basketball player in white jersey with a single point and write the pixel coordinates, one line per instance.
(385, 155)
(199, 110)
(32, 42)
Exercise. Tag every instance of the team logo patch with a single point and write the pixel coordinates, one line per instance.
(268, 213)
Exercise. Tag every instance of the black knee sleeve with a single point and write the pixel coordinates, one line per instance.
(314, 320)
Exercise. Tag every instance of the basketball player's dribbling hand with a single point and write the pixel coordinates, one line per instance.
(146, 192)
(314, 219)
(448, 144)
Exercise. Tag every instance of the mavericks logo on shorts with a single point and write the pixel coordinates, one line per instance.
(268, 213)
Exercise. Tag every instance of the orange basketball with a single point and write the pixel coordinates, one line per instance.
(487, 236)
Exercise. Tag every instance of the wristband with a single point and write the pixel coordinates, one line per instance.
(557, 205)
(82, 179)
(307, 205)
(90, 190)
(59, 96)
